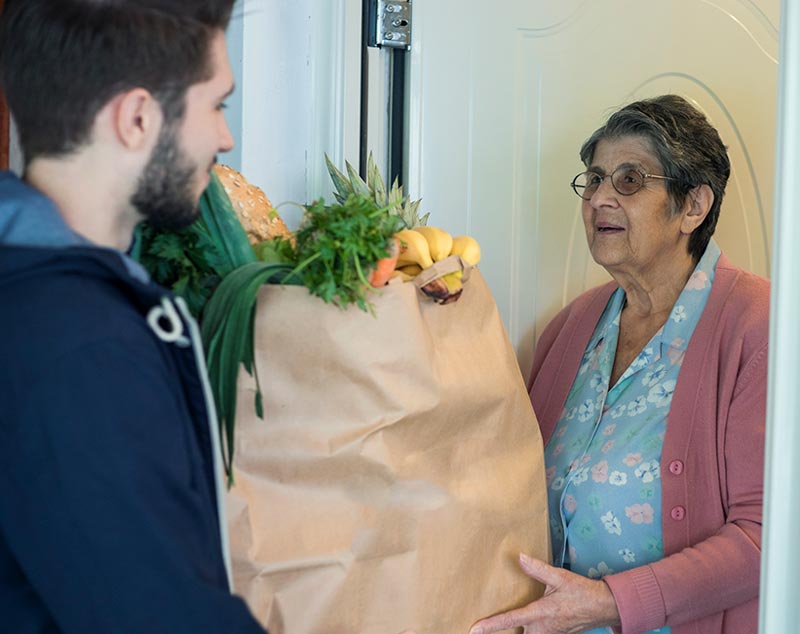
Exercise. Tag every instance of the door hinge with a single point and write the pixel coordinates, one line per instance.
(390, 23)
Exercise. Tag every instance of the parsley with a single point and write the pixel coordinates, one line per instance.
(337, 245)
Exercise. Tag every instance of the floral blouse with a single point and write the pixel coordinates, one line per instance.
(603, 460)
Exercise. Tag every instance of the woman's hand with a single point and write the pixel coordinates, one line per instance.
(571, 604)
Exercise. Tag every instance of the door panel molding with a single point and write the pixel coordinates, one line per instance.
(495, 129)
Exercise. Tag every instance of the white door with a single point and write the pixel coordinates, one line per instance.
(502, 94)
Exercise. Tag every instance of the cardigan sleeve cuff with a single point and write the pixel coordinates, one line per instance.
(639, 600)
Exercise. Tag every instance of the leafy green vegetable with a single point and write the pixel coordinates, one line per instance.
(193, 261)
(275, 250)
(337, 245)
(223, 227)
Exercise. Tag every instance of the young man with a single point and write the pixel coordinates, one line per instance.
(110, 489)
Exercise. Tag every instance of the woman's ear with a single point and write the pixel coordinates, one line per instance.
(698, 204)
(137, 119)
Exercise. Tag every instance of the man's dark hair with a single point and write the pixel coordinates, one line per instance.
(688, 147)
(61, 61)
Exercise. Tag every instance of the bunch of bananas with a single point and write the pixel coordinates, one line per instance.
(422, 246)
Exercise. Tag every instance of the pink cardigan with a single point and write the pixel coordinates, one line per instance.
(712, 461)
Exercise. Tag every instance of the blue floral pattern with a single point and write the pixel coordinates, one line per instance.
(603, 460)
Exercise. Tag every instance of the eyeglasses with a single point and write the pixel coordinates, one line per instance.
(626, 180)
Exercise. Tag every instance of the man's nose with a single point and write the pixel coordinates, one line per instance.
(226, 141)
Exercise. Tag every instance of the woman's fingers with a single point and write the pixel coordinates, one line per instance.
(571, 603)
(539, 571)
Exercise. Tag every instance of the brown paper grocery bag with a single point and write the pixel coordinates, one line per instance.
(397, 473)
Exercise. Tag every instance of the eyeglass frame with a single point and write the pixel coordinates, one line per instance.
(611, 176)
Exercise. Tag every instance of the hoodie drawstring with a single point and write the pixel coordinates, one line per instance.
(166, 312)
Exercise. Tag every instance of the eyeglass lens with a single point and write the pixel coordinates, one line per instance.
(625, 180)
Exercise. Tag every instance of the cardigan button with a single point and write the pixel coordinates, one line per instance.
(677, 513)
(676, 467)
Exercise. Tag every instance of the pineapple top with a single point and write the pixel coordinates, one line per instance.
(375, 188)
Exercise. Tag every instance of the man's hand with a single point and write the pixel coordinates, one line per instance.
(571, 604)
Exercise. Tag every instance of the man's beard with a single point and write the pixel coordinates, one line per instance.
(164, 194)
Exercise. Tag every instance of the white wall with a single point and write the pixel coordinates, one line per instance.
(233, 112)
(300, 95)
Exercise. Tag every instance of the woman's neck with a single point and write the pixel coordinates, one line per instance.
(652, 293)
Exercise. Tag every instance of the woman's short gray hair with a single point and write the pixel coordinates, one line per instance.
(688, 147)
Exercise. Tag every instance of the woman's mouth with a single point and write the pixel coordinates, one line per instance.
(607, 227)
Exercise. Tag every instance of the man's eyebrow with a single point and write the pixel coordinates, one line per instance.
(229, 92)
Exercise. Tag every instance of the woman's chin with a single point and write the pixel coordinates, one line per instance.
(605, 256)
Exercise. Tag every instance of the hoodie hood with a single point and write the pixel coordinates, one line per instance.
(28, 218)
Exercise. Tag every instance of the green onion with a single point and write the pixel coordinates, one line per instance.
(227, 333)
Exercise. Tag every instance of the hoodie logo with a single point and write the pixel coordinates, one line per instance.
(166, 323)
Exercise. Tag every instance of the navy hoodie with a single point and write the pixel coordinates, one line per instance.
(109, 500)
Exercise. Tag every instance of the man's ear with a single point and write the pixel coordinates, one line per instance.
(698, 204)
(136, 118)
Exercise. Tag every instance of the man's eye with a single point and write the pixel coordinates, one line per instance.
(222, 106)
(593, 180)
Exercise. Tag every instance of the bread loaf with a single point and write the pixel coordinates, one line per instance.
(259, 219)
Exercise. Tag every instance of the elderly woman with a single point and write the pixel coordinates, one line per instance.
(651, 395)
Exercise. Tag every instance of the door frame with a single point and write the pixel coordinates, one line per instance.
(780, 556)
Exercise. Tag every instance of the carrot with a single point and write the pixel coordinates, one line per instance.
(385, 267)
